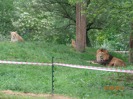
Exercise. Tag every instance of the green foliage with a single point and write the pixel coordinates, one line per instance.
(74, 1)
(43, 20)
(54, 20)
(110, 39)
(110, 23)
(6, 13)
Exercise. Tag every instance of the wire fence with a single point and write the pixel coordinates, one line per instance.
(68, 65)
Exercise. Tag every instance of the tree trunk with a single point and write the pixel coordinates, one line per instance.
(80, 28)
(131, 46)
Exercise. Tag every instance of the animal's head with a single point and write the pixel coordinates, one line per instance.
(13, 32)
(102, 55)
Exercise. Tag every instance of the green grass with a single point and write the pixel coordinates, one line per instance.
(79, 83)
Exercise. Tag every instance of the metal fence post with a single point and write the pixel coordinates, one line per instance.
(52, 75)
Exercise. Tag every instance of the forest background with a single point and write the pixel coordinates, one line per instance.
(108, 21)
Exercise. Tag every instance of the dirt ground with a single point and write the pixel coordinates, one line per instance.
(47, 96)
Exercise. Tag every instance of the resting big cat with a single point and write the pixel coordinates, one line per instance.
(16, 37)
(104, 58)
(73, 43)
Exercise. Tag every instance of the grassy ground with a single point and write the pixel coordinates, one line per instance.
(8, 96)
(79, 83)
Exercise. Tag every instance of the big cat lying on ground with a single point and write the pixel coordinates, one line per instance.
(16, 37)
(104, 58)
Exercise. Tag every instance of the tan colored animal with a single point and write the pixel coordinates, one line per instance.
(16, 37)
(104, 58)
(73, 43)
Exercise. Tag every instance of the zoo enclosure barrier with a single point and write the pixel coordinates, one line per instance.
(67, 65)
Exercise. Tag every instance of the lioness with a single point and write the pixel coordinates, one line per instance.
(73, 43)
(104, 58)
(16, 37)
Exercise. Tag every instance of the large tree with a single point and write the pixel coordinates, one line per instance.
(80, 27)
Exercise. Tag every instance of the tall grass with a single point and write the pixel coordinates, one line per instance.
(79, 83)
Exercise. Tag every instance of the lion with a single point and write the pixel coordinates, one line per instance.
(73, 43)
(16, 37)
(104, 58)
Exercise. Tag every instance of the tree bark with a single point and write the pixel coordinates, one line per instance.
(80, 28)
(131, 46)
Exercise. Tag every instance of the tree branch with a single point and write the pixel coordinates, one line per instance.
(65, 13)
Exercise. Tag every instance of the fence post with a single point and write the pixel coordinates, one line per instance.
(52, 75)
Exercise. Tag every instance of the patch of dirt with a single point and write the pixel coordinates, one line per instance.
(47, 96)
